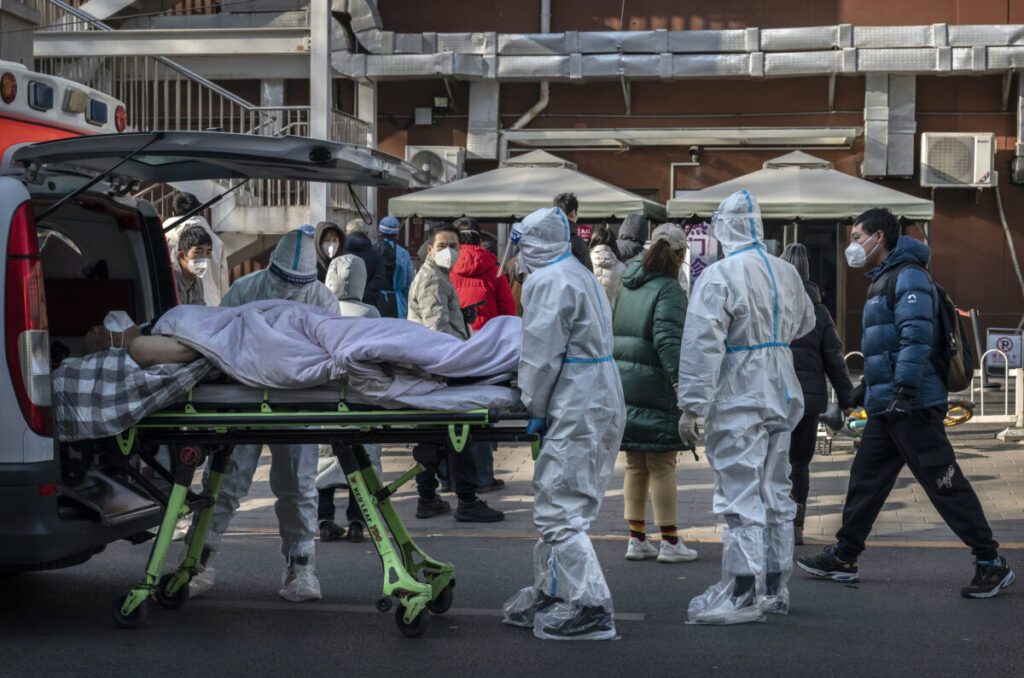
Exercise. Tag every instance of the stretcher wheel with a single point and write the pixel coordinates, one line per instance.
(418, 625)
(383, 604)
(170, 602)
(132, 620)
(443, 602)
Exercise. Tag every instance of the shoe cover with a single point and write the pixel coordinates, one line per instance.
(717, 605)
(201, 582)
(519, 610)
(181, 528)
(300, 584)
(778, 567)
(577, 578)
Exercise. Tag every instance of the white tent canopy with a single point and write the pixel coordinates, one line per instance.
(521, 186)
(798, 185)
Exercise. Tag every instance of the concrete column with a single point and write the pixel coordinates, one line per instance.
(319, 96)
(366, 110)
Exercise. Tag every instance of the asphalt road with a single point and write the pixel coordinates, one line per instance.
(905, 618)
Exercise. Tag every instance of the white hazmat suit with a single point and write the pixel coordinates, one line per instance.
(573, 392)
(738, 372)
(293, 468)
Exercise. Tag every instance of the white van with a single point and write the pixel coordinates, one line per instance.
(74, 245)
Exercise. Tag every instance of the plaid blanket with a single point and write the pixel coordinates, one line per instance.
(104, 393)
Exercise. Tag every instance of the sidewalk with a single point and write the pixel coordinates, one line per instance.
(996, 470)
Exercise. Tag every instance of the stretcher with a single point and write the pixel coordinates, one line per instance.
(212, 419)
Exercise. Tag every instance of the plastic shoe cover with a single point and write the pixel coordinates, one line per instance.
(640, 550)
(676, 553)
(181, 528)
(717, 605)
(201, 582)
(300, 584)
(577, 577)
(520, 609)
(579, 622)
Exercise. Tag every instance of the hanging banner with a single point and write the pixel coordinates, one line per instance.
(702, 249)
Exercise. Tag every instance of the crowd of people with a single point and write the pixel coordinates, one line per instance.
(619, 354)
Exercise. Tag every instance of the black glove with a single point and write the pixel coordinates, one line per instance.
(899, 406)
(469, 315)
(857, 398)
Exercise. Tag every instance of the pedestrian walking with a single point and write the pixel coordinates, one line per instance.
(906, 401)
(358, 242)
(647, 321)
(815, 355)
(569, 205)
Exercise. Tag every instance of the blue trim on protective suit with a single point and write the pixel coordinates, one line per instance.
(290, 277)
(756, 347)
(588, 361)
(565, 222)
(298, 251)
(562, 258)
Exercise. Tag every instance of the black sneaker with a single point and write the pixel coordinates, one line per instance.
(989, 578)
(428, 508)
(524, 618)
(477, 512)
(589, 619)
(828, 566)
(355, 532)
(496, 485)
(330, 531)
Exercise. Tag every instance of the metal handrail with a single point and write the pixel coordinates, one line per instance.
(1006, 383)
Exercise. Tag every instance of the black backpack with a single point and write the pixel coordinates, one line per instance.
(952, 357)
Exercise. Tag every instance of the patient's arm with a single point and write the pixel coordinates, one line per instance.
(157, 350)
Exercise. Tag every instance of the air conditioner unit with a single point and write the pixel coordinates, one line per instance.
(436, 164)
(957, 160)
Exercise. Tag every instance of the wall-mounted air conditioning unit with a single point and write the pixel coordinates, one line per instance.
(436, 164)
(957, 160)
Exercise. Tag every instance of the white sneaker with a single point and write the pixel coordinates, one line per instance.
(201, 582)
(675, 553)
(640, 550)
(181, 528)
(300, 584)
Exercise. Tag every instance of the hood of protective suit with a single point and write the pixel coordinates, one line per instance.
(294, 258)
(907, 251)
(475, 262)
(346, 277)
(634, 227)
(545, 238)
(737, 223)
(318, 237)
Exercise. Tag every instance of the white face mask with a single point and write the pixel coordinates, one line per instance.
(857, 256)
(446, 258)
(329, 248)
(199, 267)
(117, 321)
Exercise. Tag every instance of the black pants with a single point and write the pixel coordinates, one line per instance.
(325, 507)
(801, 450)
(920, 442)
(461, 468)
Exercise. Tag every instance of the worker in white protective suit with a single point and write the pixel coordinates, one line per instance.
(738, 373)
(291, 275)
(573, 392)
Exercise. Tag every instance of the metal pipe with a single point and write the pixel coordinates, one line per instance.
(545, 88)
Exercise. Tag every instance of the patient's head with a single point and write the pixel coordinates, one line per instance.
(346, 277)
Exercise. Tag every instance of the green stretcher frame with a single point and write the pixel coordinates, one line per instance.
(196, 431)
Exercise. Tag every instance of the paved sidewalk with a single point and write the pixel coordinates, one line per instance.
(996, 470)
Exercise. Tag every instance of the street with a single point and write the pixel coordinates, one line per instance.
(905, 617)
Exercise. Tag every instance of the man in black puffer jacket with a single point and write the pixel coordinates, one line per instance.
(815, 355)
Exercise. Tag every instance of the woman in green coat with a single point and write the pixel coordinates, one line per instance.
(647, 322)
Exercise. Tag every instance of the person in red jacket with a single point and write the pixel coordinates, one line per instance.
(476, 279)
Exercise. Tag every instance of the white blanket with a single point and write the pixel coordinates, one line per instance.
(285, 344)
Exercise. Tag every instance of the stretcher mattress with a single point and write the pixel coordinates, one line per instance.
(450, 399)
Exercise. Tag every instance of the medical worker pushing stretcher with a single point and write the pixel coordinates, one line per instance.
(572, 390)
(737, 371)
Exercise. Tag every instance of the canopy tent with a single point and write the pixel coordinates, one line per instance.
(798, 185)
(519, 187)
